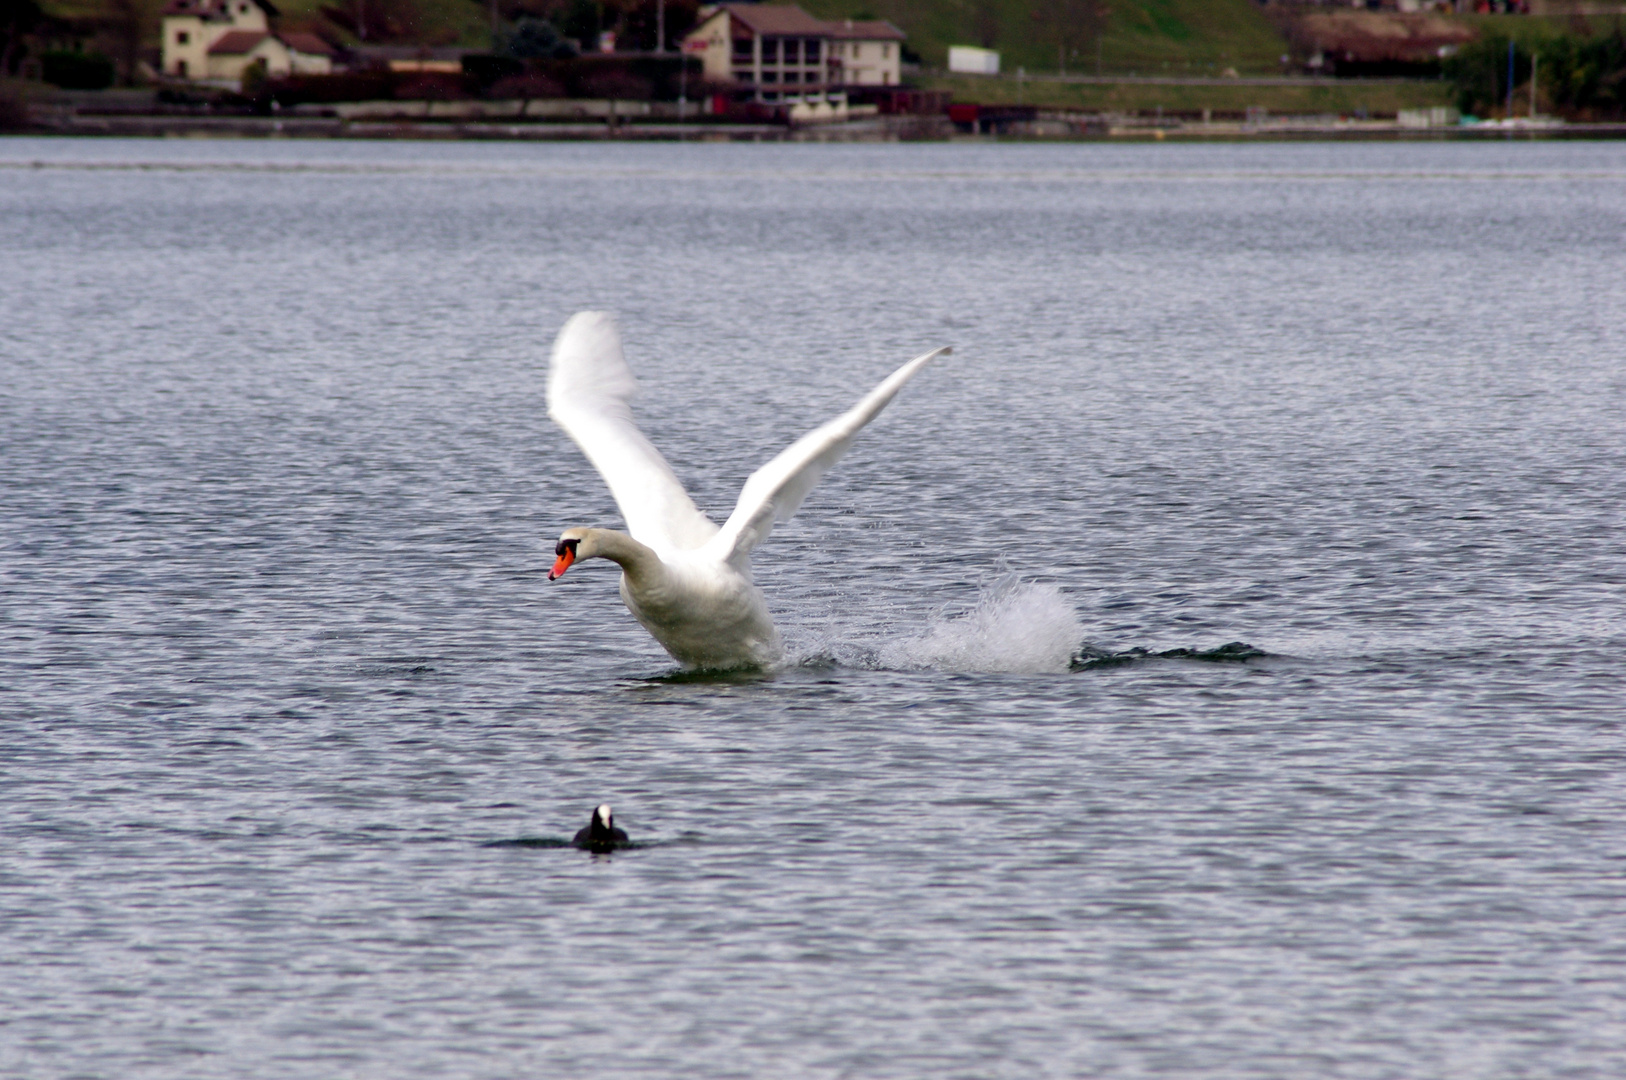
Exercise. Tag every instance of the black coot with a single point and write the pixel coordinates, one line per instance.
(601, 836)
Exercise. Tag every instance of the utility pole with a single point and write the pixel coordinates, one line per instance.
(1535, 58)
(660, 26)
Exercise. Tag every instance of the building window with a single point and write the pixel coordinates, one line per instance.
(742, 76)
(742, 48)
(182, 37)
(886, 51)
(770, 50)
(793, 76)
(770, 76)
(810, 51)
(792, 50)
(180, 68)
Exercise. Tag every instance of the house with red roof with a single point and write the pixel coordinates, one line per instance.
(778, 53)
(219, 40)
(868, 53)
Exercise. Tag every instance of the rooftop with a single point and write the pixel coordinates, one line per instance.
(777, 20)
(214, 9)
(871, 30)
(309, 44)
(237, 41)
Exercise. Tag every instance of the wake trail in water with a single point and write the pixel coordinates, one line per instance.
(1015, 627)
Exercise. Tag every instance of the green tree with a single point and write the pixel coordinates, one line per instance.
(1584, 78)
(534, 39)
(1479, 70)
(582, 20)
(77, 70)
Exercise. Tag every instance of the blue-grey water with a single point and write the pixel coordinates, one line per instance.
(279, 664)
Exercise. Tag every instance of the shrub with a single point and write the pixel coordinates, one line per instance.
(429, 86)
(13, 110)
(527, 86)
(617, 83)
(77, 71)
(327, 89)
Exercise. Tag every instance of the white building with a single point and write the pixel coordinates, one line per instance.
(868, 53)
(779, 53)
(218, 40)
(969, 60)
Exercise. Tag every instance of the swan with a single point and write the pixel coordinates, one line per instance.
(687, 581)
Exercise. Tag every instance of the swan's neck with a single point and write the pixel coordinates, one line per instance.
(638, 562)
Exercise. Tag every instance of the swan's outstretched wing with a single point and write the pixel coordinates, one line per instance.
(590, 389)
(773, 492)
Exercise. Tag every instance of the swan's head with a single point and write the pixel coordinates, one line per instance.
(567, 551)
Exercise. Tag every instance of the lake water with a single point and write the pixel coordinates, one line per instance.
(282, 680)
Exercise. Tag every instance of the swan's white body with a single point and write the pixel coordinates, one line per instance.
(686, 580)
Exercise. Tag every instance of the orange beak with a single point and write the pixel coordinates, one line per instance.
(562, 563)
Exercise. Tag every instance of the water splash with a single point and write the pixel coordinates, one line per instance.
(1016, 627)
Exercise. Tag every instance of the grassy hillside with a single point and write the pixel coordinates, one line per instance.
(423, 22)
(1143, 37)
(1140, 37)
(1146, 37)
(428, 22)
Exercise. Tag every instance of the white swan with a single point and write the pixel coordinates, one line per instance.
(687, 581)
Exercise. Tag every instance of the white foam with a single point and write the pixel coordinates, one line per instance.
(1016, 626)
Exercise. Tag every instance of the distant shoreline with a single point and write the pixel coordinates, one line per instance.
(1147, 117)
(1044, 127)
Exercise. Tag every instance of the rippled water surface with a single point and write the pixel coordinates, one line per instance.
(279, 664)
